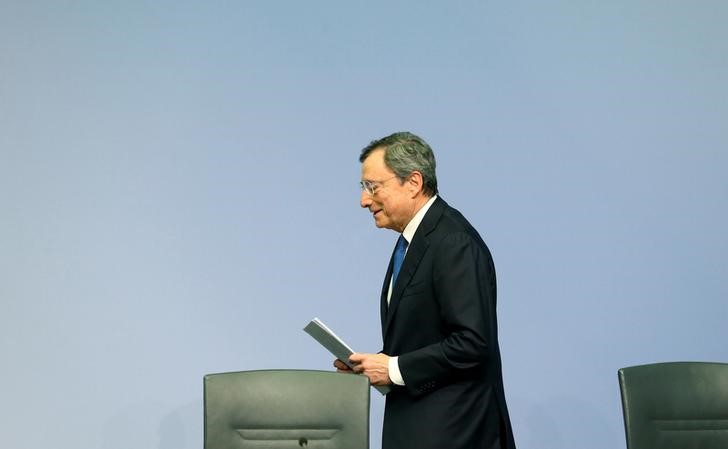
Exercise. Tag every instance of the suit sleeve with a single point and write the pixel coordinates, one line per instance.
(463, 279)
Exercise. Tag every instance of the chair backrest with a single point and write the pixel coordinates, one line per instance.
(677, 405)
(286, 409)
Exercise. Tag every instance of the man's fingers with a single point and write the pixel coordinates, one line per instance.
(341, 366)
(357, 358)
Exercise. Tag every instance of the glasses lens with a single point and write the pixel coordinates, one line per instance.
(366, 186)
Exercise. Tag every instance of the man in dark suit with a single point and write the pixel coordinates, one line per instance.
(438, 311)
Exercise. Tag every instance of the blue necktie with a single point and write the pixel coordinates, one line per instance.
(399, 252)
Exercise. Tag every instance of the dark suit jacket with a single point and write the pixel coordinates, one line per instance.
(441, 322)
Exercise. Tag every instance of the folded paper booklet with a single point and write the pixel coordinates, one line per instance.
(329, 340)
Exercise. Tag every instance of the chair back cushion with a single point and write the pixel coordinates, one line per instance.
(676, 405)
(286, 409)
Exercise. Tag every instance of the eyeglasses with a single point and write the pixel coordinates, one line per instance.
(371, 187)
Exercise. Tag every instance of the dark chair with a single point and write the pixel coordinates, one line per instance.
(677, 405)
(275, 409)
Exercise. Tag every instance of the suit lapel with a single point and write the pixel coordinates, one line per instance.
(385, 288)
(416, 250)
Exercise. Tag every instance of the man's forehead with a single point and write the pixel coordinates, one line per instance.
(374, 163)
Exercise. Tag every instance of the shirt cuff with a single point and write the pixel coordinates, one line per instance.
(394, 374)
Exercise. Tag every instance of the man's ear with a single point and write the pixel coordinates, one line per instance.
(415, 183)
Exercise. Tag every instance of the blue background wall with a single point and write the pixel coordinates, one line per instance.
(179, 196)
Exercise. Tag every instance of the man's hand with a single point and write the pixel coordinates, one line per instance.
(374, 366)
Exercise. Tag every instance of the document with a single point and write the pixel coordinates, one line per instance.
(329, 340)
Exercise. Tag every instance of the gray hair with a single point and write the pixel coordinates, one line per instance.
(404, 153)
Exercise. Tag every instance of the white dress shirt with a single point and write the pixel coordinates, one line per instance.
(409, 232)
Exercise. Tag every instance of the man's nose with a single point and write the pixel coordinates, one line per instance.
(366, 199)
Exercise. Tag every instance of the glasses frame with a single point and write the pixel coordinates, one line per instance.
(370, 187)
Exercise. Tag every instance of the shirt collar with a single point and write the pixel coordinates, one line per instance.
(411, 228)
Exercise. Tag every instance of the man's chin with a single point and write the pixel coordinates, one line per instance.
(384, 225)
